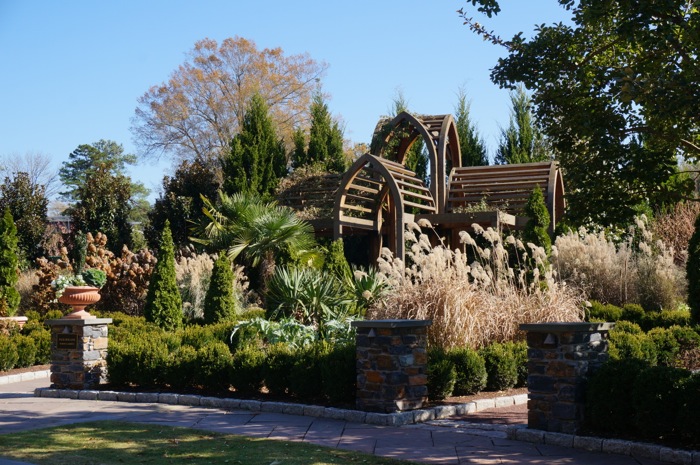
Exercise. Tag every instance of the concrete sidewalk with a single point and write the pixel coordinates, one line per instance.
(449, 442)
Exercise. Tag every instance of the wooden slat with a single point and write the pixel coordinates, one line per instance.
(418, 205)
(512, 186)
(482, 180)
(360, 198)
(417, 196)
(363, 188)
(356, 208)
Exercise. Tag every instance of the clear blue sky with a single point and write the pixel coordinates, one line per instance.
(72, 71)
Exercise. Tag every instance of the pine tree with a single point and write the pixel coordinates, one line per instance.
(692, 269)
(325, 138)
(522, 141)
(9, 297)
(257, 159)
(220, 301)
(299, 156)
(471, 145)
(536, 229)
(163, 301)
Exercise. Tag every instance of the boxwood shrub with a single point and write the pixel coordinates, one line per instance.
(501, 367)
(470, 371)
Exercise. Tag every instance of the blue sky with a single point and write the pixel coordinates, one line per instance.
(72, 71)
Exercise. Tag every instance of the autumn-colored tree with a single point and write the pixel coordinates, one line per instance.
(197, 112)
(27, 203)
(471, 144)
(257, 159)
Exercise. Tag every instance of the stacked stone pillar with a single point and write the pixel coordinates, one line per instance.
(561, 357)
(78, 352)
(392, 363)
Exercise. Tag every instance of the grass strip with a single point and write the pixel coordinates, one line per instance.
(119, 443)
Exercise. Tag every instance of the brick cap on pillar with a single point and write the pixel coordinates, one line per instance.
(79, 322)
(566, 327)
(390, 323)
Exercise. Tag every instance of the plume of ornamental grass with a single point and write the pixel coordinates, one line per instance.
(474, 295)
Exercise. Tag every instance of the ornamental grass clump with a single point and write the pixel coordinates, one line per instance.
(476, 295)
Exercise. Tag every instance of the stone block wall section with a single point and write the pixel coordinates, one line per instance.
(392, 365)
(78, 352)
(561, 357)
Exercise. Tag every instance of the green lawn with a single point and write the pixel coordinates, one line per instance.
(104, 443)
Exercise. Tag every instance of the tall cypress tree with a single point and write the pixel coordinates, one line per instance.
(471, 144)
(9, 297)
(299, 156)
(325, 138)
(220, 301)
(163, 301)
(522, 141)
(257, 159)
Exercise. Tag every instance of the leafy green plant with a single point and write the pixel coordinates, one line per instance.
(163, 302)
(501, 367)
(338, 372)
(470, 371)
(220, 300)
(246, 374)
(8, 354)
(657, 400)
(181, 368)
(442, 374)
(9, 263)
(213, 364)
(536, 229)
(279, 360)
(305, 373)
(26, 350)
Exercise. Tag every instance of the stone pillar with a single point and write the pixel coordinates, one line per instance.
(392, 365)
(561, 356)
(78, 352)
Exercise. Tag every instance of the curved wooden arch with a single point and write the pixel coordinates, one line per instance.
(439, 132)
(367, 187)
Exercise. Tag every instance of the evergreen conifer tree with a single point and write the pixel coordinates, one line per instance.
(9, 297)
(471, 144)
(536, 229)
(522, 141)
(163, 301)
(692, 269)
(335, 263)
(257, 158)
(299, 156)
(220, 301)
(325, 138)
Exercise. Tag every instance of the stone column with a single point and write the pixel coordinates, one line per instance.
(392, 365)
(561, 356)
(78, 352)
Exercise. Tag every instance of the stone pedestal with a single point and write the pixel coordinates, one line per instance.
(78, 352)
(392, 364)
(561, 356)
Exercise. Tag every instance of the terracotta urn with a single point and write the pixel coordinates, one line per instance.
(79, 297)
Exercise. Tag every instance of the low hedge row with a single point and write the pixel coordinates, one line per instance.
(629, 398)
(675, 346)
(26, 347)
(463, 371)
(634, 313)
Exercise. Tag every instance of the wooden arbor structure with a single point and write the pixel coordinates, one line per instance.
(379, 195)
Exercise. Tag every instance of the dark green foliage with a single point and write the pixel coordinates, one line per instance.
(8, 354)
(335, 263)
(94, 277)
(325, 138)
(305, 374)
(537, 227)
(666, 319)
(213, 364)
(519, 352)
(609, 405)
(42, 342)
(26, 350)
(220, 301)
(181, 368)
(689, 414)
(657, 398)
(501, 367)
(280, 358)
(246, 374)
(138, 360)
(627, 327)
(625, 346)
(471, 144)
(257, 159)
(28, 204)
(9, 297)
(104, 205)
(338, 372)
(163, 302)
(521, 141)
(633, 312)
(667, 347)
(197, 336)
(181, 202)
(692, 268)
(470, 371)
(603, 312)
(442, 374)
(299, 155)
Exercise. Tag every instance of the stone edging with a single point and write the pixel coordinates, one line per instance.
(606, 445)
(354, 416)
(27, 376)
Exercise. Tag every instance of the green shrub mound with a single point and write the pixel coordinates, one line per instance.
(501, 367)
(338, 372)
(276, 371)
(212, 361)
(8, 354)
(470, 371)
(305, 373)
(658, 398)
(181, 368)
(246, 373)
(442, 376)
(26, 350)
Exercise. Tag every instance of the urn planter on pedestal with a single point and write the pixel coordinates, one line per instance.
(79, 297)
